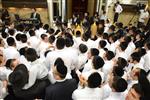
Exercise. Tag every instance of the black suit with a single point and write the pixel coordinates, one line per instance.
(61, 90)
(37, 17)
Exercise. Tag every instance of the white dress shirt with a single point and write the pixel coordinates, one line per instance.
(143, 15)
(33, 42)
(43, 46)
(118, 9)
(3, 91)
(37, 71)
(82, 58)
(11, 53)
(4, 73)
(130, 49)
(22, 45)
(88, 94)
(107, 68)
(88, 66)
(116, 96)
(88, 73)
(147, 61)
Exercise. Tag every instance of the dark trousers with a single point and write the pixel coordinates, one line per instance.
(36, 91)
(116, 17)
(140, 24)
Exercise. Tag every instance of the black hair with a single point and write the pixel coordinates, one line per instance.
(46, 27)
(119, 84)
(78, 33)
(68, 42)
(11, 32)
(8, 63)
(98, 62)
(83, 48)
(23, 38)
(122, 62)
(102, 43)
(51, 31)
(94, 52)
(4, 35)
(85, 37)
(57, 31)
(43, 36)
(109, 55)
(31, 54)
(51, 39)
(58, 61)
(144, 84)
(123, 46)
(10, 41)
(142, 51)
(32, 33)
(68, 35)
(61, 69)
(18, 37)
(94, 80)
(118, 71)
(105, 36)
(22, 51)
(135, 56)
(60, 43)
(127, 39)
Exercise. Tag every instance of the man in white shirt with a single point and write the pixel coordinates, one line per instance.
(143, 16)
(11, 52)
(92, 91)
(37, 71)
(118, 10)
(53, 55)
(33, 40)
(118, 86)
(147, 57)
(91, 53)
(108, 56)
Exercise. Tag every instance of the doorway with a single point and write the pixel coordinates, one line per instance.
(79, 6)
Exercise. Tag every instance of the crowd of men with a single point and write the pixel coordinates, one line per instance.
(73, 63)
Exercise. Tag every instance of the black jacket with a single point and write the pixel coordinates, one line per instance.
(61, 90)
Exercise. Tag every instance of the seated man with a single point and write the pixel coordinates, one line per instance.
(63, 88)
(92, 91)
(18, 78)
(118, 85)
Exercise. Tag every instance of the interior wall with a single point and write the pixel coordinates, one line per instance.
(91, 6)
(69, 9)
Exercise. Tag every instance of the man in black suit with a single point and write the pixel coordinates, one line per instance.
(63, 88)
(36, 17)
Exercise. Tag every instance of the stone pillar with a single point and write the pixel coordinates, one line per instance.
(60, 7)
(50, 11)
(63, 10)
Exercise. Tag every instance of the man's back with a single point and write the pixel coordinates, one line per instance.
(61, 90)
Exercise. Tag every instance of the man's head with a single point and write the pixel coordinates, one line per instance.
(94, 80)
(59, 69)
(134, 93)
(118, 84)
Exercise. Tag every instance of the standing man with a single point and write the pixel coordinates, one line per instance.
(36, 17)
(63, 88)
(143, 16)
(118, 9)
